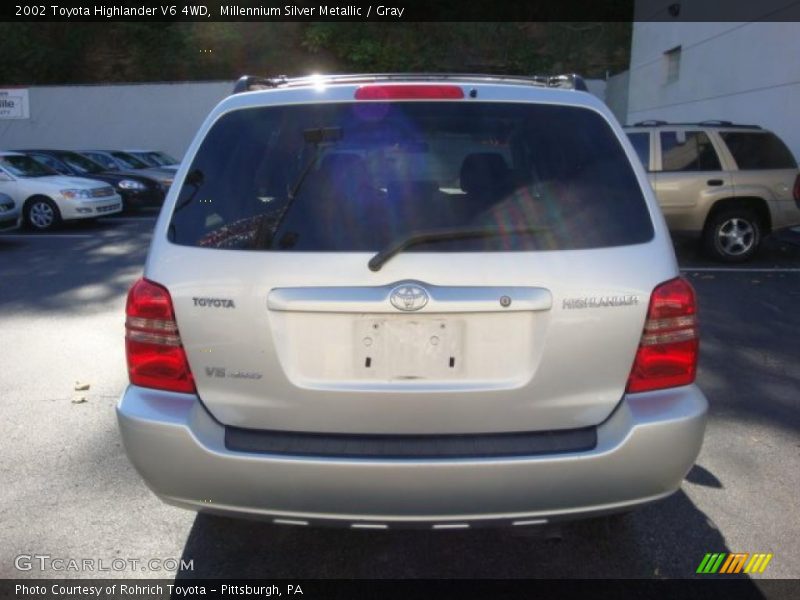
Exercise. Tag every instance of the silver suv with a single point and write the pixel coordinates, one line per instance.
(395, 301)
(729, 184)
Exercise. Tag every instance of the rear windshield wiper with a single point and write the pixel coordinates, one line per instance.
(321, 138)
(442, 235)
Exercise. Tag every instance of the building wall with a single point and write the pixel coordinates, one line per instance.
(745, 72)
(616, 96)
(164, 116)
(596, 87)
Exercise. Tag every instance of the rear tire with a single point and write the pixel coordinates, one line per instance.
(42, 214)
(732, 235)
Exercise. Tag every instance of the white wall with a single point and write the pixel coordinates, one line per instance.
(746, 72)
(616, 96)
(596, 87)
(164, 116)
(613, 91)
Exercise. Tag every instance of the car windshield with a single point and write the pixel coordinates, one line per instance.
(25, 166)
(162, 158)
(81, 164)
(278, 179)
(146, 158)
(101, 159)
(128, 161)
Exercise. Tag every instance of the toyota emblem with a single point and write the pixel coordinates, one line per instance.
(408, 297)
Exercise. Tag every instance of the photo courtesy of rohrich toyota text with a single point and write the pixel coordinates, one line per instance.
(155, 590)
(409, 300)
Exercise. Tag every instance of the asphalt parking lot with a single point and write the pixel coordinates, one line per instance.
(69, 491)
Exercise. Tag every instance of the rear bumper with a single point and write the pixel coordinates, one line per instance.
(644, 449)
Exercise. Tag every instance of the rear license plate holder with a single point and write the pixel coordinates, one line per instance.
(408, 348)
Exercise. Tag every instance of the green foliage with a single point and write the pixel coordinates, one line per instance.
(52, 53)
(520, 48)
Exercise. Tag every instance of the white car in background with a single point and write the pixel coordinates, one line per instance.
(47, 198)
(9, 213)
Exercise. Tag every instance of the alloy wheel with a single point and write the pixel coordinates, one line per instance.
(736, 236)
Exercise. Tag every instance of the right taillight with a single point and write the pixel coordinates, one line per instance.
(667, 354)
(156, 358)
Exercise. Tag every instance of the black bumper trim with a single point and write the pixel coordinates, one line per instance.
(481, 445)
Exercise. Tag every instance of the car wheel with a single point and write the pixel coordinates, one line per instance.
(42, 214)
(733, 235)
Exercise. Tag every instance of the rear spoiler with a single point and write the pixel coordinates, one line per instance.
(248, 83)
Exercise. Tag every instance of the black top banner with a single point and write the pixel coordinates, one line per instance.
(400, 10)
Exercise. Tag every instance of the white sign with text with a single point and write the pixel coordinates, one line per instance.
(14, 103)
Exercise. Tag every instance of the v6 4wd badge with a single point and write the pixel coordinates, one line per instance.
(214, 302)
(223, 373)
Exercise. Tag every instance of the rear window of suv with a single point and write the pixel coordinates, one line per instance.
(758, 151)
(358, 176)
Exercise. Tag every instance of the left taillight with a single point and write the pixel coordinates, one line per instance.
(155, 354)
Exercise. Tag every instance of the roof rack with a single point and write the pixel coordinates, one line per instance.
(650, 123)
(706, 123)
(248, 83)
(716, 122)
